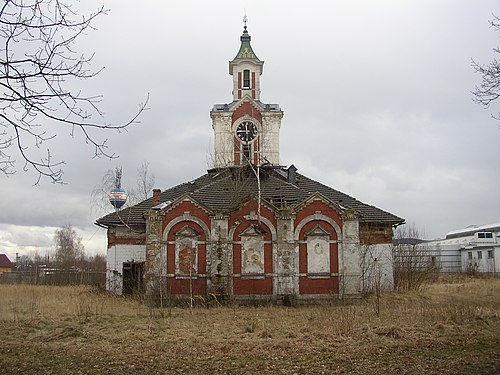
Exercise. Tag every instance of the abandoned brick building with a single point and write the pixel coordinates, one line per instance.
(248, 229)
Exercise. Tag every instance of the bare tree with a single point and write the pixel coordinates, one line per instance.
(144, 184)
(414, 263)
(95, 263)
(489, 90)
(69, 249)
(145, 181)
(38, 66)
(375, 266)
(371, 273)
(99, 198)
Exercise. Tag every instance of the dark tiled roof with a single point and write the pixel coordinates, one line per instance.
(4, 261)
(221, 191)
(134, 215)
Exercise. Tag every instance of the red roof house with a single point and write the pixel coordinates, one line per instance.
(5, 264)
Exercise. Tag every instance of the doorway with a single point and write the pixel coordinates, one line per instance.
(133, 282)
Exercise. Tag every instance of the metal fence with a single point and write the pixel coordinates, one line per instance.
(55, 277)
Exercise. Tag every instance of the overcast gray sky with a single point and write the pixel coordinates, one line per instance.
(376, 95)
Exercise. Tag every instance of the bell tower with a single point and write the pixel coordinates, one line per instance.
(246, 70)
(246, 130)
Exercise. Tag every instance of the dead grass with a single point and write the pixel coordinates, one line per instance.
(22, 303)
(449, 327)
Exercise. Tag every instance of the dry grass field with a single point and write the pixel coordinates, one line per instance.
(451, 326)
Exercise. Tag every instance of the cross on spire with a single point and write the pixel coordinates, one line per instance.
(245, 20)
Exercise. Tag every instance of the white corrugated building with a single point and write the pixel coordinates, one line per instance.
(472, 249)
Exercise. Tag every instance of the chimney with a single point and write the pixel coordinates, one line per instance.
(292, 174)
(156, 197)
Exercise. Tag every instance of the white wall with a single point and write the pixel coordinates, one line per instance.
(377, 265)
(446, 254)
(483, 264)
(452, 254)
(117, 255)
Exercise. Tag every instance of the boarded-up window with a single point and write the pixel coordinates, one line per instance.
(186, 251)
(318, 251)
(252, 250)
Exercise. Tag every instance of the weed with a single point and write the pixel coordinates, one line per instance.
(342, 319)
(452, 319)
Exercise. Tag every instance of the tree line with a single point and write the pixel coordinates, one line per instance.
(69, 254)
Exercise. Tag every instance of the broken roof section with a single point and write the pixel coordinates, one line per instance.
(223, 190)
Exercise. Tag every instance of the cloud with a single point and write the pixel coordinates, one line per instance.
(377, 102)
(30, 240)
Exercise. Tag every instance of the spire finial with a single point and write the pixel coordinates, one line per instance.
(245, 20)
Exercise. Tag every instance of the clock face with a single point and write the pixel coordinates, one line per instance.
(246, 131)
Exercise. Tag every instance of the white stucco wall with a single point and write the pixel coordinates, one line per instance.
(117, 255)
(377, 266)
(238, 68)
(349, 259)
(224, 139)
(318, 255)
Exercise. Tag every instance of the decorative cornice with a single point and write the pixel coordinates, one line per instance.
(317, 231)
(350, 215)
(319, 197)
(187, 231)
(254, 230)
(186, 198)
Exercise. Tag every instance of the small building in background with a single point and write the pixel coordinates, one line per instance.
(5, 264)
(475, 249)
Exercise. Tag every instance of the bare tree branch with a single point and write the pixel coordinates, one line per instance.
(37, 67)
(145, 184)
(489, 89)
(414, 263)
(145, 180)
